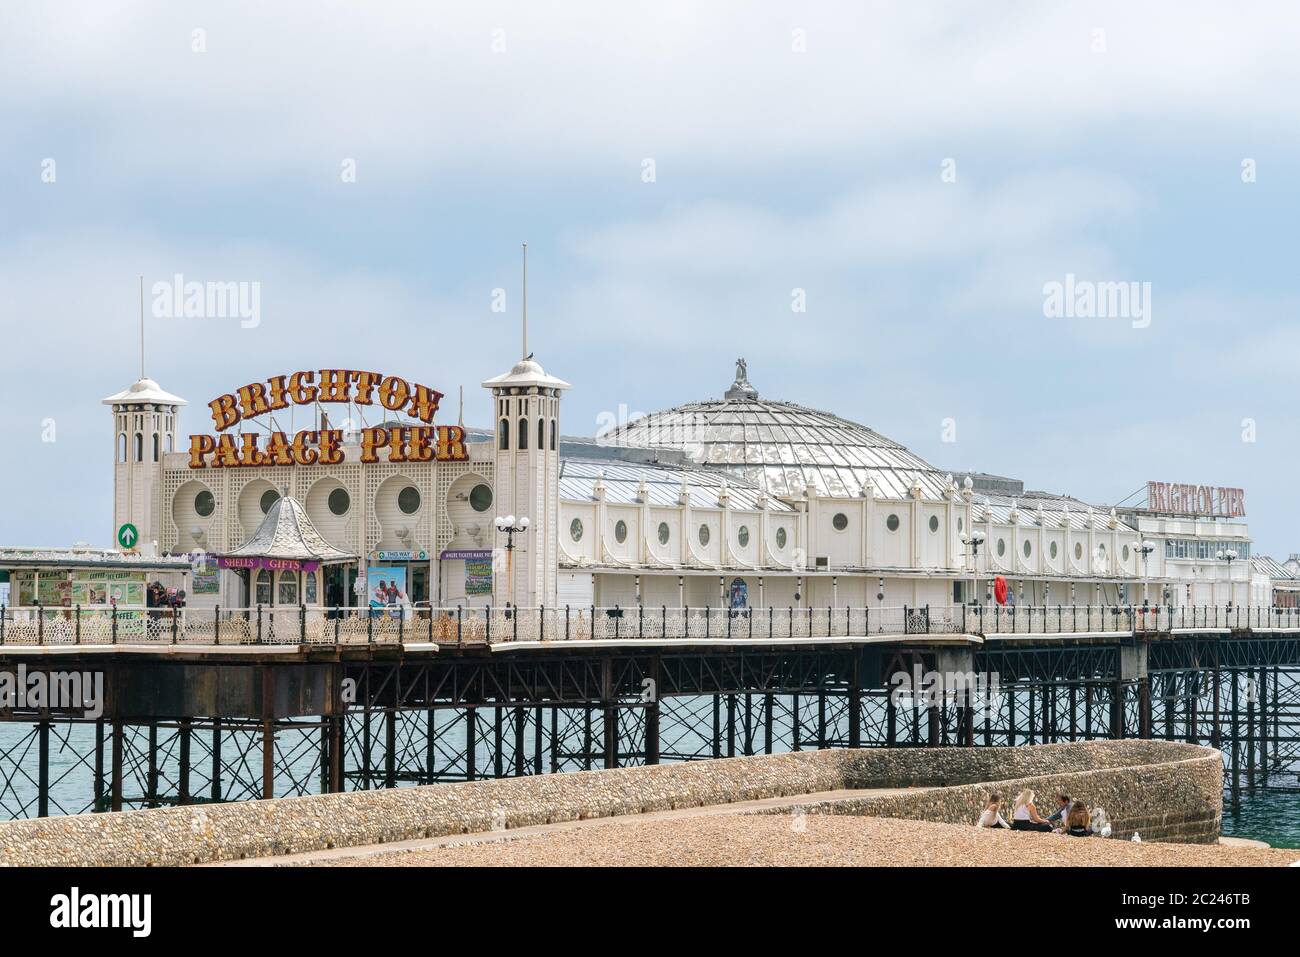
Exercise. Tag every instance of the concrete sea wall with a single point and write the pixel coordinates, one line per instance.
(1168, 791)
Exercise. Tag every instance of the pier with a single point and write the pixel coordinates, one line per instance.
(235, 704)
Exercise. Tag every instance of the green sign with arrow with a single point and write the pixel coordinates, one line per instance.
(128, 535)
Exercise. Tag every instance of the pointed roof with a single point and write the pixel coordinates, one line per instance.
(288, 533)
(145, 390)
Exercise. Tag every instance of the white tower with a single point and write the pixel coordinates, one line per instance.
(144, 430)
(526, 410)
(526, 406)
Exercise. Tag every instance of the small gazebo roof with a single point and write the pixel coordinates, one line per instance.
(287, 533)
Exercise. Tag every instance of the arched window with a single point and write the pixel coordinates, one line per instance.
(262, 591)
(552, 435)
(503, 432)
(139, 447)
(121, 446)
(523, 434)
(541, 434)
(157, 447)
(167, 444)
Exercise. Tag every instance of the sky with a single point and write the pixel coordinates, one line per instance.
(868, 202)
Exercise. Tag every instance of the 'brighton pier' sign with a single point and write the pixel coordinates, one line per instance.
(1208, 500)
(397, 443)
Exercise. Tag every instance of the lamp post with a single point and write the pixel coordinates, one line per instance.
(510, 527)
(1228, 556)
(973, 543)
(1145, 550)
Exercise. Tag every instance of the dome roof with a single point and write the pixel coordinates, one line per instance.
(145, 391)
(783, 447)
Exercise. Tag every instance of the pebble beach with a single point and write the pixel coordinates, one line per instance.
(768, 840)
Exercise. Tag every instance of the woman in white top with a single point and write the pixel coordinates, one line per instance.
(992, 816)
(1025, 816)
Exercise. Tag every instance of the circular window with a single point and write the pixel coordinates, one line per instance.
(408, 500)
(1002, 547)
(704, 534)
(620, 531)
(664, 533)
(934, 523)
(780, 538)
(269, 498)
(840, 522)
(742, 536)
(1051, 549)
(204, 503)
(575, 530)
(1078, 551)
(480, 498)
(1125, 553)
(891, 523)
(1027, 548)
(339, 501)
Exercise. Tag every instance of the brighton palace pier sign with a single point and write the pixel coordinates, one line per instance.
(395, 443)
(1200, 500)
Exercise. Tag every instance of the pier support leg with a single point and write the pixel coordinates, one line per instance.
(43, 769)
(99, 765)
(116, 785)
(390, 748)
(183, 782)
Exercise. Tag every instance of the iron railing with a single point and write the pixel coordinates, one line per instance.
(299, 625)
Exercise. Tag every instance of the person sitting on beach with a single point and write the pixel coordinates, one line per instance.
(1062, 813)
(992, 816)
(1078, 821)
(1025, 816)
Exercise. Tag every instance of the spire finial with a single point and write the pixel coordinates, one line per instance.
(142, 327)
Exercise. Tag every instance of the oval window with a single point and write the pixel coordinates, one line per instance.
(1002, 547)
(339, 501)
(1026, 549)
(575, 530)
(934, 523)
(204, 503)
(620, 531)
(840, 522)
(663, 533)
(1078, 551)
(704, 534)
(480, 498)
(891, 523)
(959, 523)
(1125, 553)
(780, 538)
(269, 498)
(408, 500)
(1051, 549)
(742, 536)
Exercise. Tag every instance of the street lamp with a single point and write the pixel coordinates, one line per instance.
(1229, 557)
(1145, 550)
(974, 542)
(510, 527)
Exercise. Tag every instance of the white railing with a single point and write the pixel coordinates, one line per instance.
(352, 626)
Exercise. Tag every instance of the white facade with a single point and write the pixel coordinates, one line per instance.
(806, 509)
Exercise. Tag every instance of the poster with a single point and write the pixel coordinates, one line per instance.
(207, 577)
(386, 588)
(478, 576)
(739, 593)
